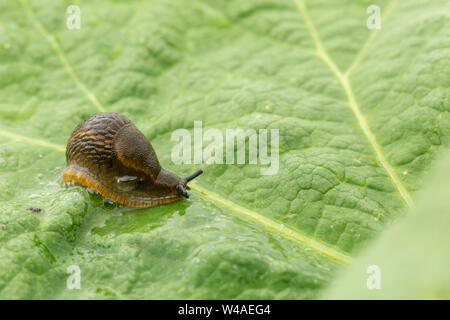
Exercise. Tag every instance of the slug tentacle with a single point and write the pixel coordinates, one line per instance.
(182, 191)
(107, 153)
(193, 176)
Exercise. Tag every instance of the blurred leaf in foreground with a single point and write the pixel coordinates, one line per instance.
(413, 255)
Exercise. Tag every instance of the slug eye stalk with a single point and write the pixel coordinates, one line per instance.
(180, 188)
(193, 176)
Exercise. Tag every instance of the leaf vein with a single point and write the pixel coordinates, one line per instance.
(354, 106)
(271, 224)
(62, 58)
(369, 40)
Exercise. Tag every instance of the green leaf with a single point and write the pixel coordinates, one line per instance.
(412, 256)
(362, 115)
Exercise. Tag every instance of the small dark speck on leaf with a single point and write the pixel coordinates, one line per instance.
(34, 209)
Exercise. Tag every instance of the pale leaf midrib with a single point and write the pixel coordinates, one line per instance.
(28, 140)
(289, 233)
(370, 39)
(353, 104)
(271, 224)
(61, 56)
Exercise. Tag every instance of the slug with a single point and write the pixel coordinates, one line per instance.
(107, 153)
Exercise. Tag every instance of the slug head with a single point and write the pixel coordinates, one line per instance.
(136, 158)
(174, 183)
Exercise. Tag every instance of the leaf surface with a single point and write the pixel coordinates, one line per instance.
(362, 115)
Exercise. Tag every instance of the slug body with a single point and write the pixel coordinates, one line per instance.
(107, 153)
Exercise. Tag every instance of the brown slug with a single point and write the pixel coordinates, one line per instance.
(107, 153)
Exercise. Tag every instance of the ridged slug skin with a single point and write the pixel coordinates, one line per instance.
(106, 152)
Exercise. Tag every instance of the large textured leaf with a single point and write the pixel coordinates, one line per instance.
(413, 256)
(362, 115)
